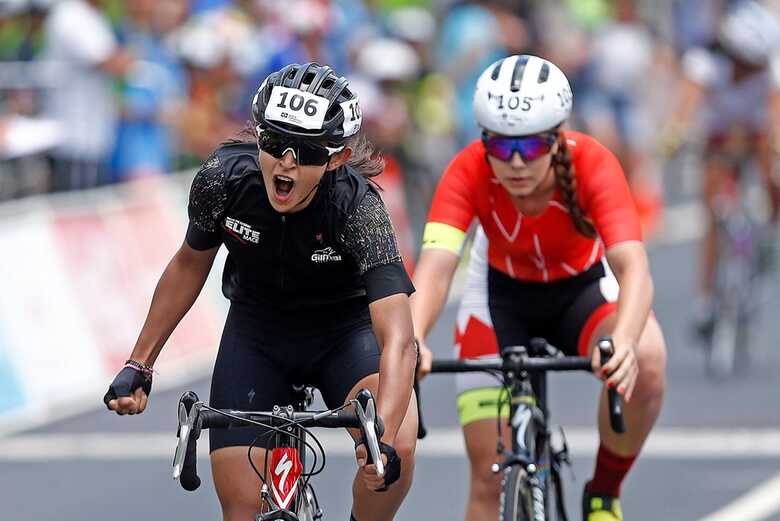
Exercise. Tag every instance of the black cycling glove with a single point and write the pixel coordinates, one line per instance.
(393, 466)
(126, 382)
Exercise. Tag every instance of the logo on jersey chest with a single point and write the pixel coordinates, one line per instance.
(241, 231)
(325, 255)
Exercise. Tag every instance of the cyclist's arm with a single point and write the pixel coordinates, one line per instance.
(451, 214)
(628, 261)
(392, 322)
(369, 238)
(609, 204)
(697, 73)
(176, 291)
(187, 271)
(432, 278)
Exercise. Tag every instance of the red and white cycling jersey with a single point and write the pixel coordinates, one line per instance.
(544, 247)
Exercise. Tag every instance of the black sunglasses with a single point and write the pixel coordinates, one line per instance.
(305, 153)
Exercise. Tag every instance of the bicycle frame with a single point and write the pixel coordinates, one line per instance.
(290, 497)
(528, 421)
(735, 277)
(531, 458)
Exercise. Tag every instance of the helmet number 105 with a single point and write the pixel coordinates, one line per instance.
(512, 102)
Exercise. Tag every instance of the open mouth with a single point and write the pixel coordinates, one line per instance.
(283, 187)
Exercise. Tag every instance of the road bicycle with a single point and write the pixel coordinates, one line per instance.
(288, 495)
(740, 264)
(532, 467)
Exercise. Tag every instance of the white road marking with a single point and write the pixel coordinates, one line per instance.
(673, 443)
(760, 503)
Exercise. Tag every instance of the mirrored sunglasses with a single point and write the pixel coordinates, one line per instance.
(529, 147)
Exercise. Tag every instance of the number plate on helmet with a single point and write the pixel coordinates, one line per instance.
(296, 107)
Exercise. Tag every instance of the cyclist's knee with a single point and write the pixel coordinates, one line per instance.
(238, 512)
(652, 359)
(485, 485)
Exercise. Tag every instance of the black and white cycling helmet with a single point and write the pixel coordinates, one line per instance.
(751, 32)
(521, 95)
(308, 100)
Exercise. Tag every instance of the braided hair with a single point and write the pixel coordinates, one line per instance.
(564, 178)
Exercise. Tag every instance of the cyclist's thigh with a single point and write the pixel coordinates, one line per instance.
(509, 310)
(237, 485)
(594, 303)
(246, 377)
(716, 169)
(352, 354)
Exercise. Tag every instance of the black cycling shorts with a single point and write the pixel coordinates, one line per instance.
(263, 353)
(564, 312)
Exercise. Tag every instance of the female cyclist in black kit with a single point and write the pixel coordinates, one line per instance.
(317, 289)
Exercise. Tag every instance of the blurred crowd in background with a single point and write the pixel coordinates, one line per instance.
(95, 92)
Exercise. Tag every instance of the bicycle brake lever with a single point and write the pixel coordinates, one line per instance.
(187, 421)
(365, 406)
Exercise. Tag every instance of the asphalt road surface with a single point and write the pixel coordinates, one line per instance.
(714, 455)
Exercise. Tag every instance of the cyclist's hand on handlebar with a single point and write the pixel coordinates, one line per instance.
(129, 392)
(424, 365)
(622, 369)
(367, 471)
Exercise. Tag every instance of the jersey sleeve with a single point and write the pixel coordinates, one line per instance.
(370, 239)
(206, 205)
(452, 209)
(606, 197)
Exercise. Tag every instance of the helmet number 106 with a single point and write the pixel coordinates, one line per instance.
(297, 102)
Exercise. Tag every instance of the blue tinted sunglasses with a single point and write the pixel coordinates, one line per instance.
(529, 147)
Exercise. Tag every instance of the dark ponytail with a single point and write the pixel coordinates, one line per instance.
(564, 178)
(364, 159)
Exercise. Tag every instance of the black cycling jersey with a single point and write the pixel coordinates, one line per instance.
(341, 246)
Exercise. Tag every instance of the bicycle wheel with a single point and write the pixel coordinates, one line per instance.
(521, 500)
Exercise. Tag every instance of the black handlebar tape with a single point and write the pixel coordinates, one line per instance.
(615, 399)
(422, 432)
(363, 398)
(189, 473)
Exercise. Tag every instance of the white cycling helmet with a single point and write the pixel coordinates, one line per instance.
(521, 95)
(751, 32)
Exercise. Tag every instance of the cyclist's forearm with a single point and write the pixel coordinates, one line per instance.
(635, 299)
(176, 291)
(432, 278)
(396, 374)
(392, 323)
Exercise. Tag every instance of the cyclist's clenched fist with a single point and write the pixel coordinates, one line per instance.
(129, 392)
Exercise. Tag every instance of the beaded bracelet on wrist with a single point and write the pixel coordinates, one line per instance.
(146, 369)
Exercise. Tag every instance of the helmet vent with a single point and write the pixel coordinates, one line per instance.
(496, 70)
(517, 74)
(544, 73)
